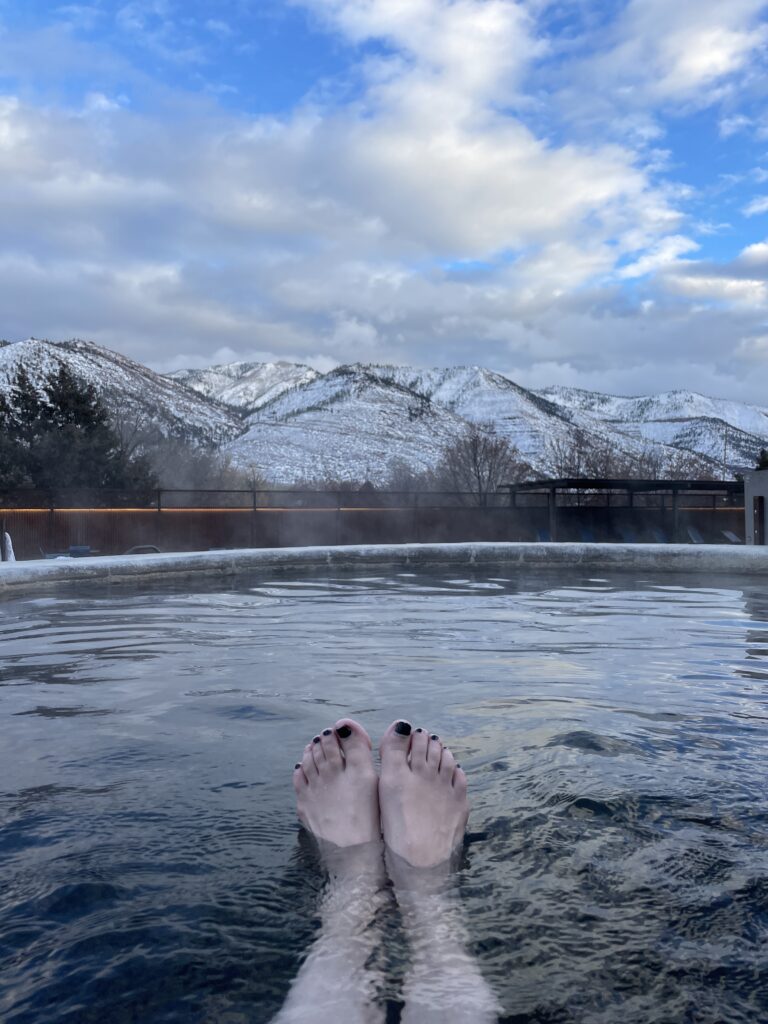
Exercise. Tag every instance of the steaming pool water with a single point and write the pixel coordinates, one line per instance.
(613, 732)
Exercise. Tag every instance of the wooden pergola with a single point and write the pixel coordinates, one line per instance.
(625, 490)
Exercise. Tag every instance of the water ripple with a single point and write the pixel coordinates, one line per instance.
(613, 731)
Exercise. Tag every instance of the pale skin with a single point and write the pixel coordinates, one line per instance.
(413, 820)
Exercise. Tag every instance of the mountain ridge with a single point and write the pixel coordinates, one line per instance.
(362, 420)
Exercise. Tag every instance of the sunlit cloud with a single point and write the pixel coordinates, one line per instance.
(467, 187)
(756, 206)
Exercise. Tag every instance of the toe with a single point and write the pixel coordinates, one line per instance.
(395, 744)
(316, 751)
(434, 752)
(419, 748)
(354, 741)
(447, 765)
(460, 781)
(308, 765)
(299, 778)
(331, 749)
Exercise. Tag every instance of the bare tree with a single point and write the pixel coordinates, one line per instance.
(480, 461)
(584, 455)
(687, 465)
(404, 478)
(133, 427)
(180, 464)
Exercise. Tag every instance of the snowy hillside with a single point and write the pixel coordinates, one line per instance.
(291, 423)
(124, 385)
(480, 396)
(669, 405)
(345, 425)
(358, 421)
(720, 429)
(246, 386)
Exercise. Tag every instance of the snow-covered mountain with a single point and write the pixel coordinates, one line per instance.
(246, 386)
(126, 387)
(725, 431)
(345, 425)
(360, 421)
(291, 423)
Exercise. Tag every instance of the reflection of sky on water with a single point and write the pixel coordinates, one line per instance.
(613, 734)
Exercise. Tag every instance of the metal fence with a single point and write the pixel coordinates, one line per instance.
(204, 498)
(44, 524)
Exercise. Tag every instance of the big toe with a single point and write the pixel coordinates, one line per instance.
(354, 741)
(395, 744)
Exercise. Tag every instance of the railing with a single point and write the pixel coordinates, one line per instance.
(204, 498)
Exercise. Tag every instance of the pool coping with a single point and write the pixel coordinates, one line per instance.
(16, 577)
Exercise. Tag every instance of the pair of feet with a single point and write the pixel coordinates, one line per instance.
(418, 805)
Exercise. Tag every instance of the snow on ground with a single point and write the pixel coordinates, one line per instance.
(124, 384)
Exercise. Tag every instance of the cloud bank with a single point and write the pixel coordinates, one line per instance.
(480, 181)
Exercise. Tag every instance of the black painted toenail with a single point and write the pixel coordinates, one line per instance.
(296, 766)
(402, 729)
(434, 736)
(344, 732)
(419, 729)
(315, 739)
(326, 732)
(458, 766)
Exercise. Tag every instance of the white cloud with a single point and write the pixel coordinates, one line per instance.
(755, 254)
(663, 254)
(750, 292)
(654, 56)
(478, 48)
(754, 350)
(99, 103)
(219, 28)
(758, 205)
(734, 124)
(424, 221)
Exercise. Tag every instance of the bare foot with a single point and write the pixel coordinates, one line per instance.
(336, 786)
(422, 795)
(337, 797)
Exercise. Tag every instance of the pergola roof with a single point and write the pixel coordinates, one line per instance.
(629, 484)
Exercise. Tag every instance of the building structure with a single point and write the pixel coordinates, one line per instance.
(756, 506)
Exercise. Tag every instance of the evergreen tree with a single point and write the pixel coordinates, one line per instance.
(62, 438)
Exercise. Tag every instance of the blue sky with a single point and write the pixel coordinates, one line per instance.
(567, 191)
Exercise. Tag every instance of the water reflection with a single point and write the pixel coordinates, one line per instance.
(612, 730)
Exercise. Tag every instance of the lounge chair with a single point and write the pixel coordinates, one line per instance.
(731, 537)
(80, 550)
(695, 535)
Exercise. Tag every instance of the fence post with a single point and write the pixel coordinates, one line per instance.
(51, 546)
(253, 517)
(2, 539)
(552, 495)
(675, 516)
(158, 530)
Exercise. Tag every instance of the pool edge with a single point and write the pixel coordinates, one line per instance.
(715, 558)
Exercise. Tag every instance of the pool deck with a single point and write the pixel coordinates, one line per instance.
(16, 577)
